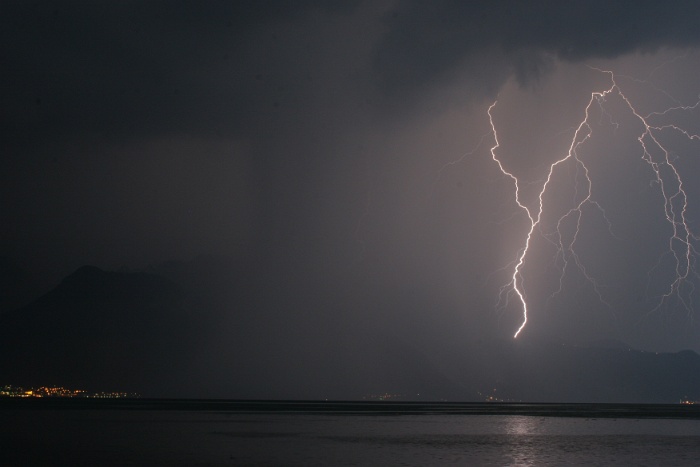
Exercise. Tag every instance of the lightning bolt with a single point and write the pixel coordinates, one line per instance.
(665, 174)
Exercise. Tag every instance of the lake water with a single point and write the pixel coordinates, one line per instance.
(167, 437)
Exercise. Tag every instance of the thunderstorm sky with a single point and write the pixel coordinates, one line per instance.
(337, 156)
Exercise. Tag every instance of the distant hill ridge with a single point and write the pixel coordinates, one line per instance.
(141, 332)
(98, 329)
(17, 286)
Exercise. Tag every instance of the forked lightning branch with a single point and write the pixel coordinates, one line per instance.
(665, 174)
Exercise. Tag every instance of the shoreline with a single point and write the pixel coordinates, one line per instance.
(587, 410)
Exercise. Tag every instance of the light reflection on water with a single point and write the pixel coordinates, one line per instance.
(478, 440)
(207, 438)
(520, 425)
(521, 451)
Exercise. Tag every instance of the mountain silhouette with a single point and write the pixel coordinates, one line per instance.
(546, 372)
(189, 336)
(17, 286)
(100, 330)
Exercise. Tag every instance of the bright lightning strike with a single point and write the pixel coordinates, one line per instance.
(665, 174)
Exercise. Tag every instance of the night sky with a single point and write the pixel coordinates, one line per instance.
(336, 155)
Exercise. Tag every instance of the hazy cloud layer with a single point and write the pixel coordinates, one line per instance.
(128, 68)
(425, 41)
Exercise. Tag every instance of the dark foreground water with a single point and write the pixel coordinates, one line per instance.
(172, 433)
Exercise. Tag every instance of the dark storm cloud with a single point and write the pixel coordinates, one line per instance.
(428, 40)
(129, 68)
(133, 67)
